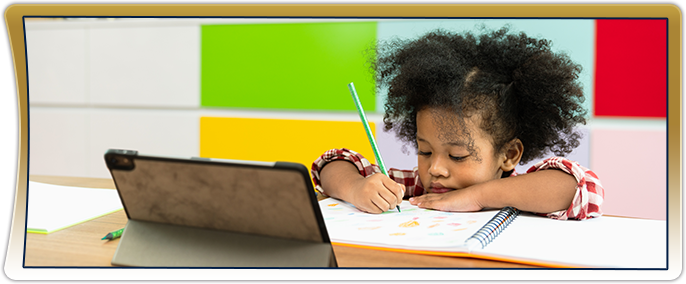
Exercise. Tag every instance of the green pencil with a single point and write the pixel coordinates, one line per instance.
(113, 235)
(370, 136)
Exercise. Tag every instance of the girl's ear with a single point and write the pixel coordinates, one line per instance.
(513, 154)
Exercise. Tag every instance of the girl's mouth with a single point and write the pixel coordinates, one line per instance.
(438, 188)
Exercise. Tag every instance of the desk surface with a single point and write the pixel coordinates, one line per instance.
(81, 245)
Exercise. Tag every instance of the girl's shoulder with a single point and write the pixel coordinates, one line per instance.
(563, 164)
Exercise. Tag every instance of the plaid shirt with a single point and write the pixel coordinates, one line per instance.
(586, 203)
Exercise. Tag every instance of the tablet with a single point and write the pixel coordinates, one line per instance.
(201, 212)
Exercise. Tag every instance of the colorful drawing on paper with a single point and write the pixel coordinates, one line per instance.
(412, 226)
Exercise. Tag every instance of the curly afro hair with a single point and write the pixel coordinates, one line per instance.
(516, 85)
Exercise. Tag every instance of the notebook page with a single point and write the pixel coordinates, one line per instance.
(412, 228)
(55, 207)
(600, 242)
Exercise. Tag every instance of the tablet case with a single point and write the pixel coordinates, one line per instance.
(198, 212)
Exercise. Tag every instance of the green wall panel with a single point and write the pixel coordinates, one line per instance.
(287, 66)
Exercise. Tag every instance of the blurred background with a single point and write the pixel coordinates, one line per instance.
(276, 90)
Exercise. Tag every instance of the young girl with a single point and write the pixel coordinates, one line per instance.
(473, 108)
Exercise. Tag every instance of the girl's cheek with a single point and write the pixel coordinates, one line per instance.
(425, 180)
(423, 173)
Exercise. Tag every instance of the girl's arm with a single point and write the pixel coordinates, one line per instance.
(338, 177)
(570, 191)
(543, 191)
(346, 175)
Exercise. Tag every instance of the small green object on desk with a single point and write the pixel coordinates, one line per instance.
(113, 235)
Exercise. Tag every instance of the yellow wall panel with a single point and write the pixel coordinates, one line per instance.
(300, 141)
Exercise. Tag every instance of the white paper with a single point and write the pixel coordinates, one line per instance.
(55, 207)
(599, 242)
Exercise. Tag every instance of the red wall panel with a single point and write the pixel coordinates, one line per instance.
(631, 68)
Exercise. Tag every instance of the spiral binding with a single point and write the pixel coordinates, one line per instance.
(492, 229)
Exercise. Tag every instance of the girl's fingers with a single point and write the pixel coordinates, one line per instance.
(392, 198)
(401, 194)
(398, 190)
(377, 205)
(384, 194)
(421, 202)
(385, 200)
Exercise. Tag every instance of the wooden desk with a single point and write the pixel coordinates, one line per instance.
(81, 245)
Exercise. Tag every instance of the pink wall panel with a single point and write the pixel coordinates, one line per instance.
(579, 155)
(632, 167)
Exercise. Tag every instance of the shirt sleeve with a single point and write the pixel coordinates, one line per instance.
(409, 178)
(589, 194)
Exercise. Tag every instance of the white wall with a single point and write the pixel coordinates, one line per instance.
(100, 84)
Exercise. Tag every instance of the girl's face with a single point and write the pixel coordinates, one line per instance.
(445, 163)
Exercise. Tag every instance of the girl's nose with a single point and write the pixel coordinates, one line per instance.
(438, 168)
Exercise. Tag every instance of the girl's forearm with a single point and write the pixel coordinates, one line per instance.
(338, 177)
(544, 191)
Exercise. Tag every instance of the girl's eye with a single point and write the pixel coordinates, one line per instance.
(423, 153)
(457, 158)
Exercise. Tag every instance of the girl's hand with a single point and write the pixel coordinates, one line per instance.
(457, 200)
(377, 193)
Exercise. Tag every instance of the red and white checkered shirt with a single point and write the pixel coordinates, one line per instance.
(586, 203)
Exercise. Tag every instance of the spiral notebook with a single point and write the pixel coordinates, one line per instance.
(503, 235)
